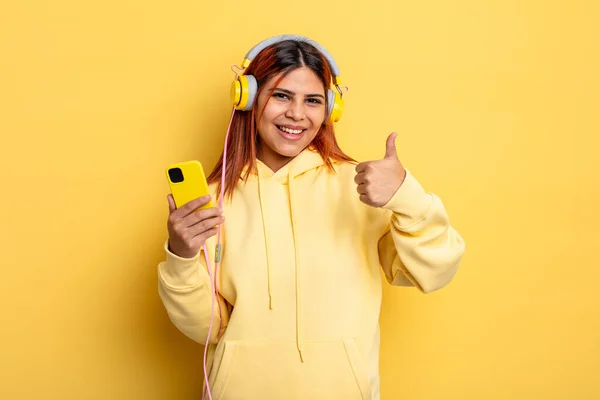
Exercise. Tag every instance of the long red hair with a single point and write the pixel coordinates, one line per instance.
(280, 58)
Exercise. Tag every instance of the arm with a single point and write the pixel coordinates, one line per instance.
(421, 248)
(185, 290)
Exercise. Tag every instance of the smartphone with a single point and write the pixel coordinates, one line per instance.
(188, 182)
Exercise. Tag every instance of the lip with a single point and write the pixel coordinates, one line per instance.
(289, 136)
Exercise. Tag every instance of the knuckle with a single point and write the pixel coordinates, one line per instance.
(185, 208)
(202, 238)
(185, 236)
(202, 214)
(207, 224)
(200, 201)
(192, 206)
(188, 240)
(178, 229)
(200, 227)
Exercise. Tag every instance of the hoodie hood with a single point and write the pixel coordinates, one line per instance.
(307, 160)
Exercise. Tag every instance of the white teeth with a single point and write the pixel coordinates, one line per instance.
(292, 131)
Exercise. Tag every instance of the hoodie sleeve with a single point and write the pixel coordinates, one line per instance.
(185, 289)
(421, 248)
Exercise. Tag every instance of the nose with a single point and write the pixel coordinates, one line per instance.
(295, 110)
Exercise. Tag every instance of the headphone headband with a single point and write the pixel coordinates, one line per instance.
(276, 39)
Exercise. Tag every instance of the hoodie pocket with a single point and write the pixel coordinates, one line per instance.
(273, 370)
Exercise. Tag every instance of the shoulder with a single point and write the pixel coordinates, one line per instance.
(344, 169)
(341, 176)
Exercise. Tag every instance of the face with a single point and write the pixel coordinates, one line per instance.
(294, 113)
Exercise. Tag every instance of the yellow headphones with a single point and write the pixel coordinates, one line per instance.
(244, 88)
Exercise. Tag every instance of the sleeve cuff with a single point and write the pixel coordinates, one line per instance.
(410, 201)
(179, 272)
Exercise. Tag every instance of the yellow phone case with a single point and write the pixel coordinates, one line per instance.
(188, 182)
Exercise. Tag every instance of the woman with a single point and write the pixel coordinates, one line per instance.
(308, 233)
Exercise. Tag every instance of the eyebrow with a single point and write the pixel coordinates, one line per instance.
(293, 94)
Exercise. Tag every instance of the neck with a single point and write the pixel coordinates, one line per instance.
(271, 159)
(274, 161)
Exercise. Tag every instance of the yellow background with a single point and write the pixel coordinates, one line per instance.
(496, 104)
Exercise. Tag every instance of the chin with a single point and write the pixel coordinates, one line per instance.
(290, 150)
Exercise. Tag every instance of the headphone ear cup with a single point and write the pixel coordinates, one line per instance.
(243, 92)
(330, 102)
(252, 90)
(336, 105)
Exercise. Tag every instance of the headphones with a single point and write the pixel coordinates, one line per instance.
(244, 87)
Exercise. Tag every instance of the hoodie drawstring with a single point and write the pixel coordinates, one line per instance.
(298, 302)
(260, 199)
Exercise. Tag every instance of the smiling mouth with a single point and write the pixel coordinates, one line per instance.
(289, 130)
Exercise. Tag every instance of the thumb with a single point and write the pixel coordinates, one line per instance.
(171, 201)
(390, 147)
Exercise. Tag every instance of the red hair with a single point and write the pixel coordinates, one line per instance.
(280, 58)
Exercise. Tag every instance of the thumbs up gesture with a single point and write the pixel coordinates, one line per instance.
(378, 180)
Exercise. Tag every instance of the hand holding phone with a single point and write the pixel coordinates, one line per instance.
(191, 225)
(192, 215)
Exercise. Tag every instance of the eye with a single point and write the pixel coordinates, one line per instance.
(314, 100)
(282, 96)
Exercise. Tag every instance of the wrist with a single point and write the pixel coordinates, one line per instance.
(188, 255)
